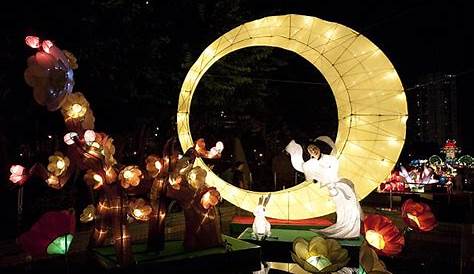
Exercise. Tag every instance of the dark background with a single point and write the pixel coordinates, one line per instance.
(133, 56)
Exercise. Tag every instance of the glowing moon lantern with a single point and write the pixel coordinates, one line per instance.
(371, 104)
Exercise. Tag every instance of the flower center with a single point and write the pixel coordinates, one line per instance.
(97, 178)
(158, 165)
(127, 174)
(320, 262)
(414, 219)
(137, 213)
(375, 239)
(76, 109)
(60, 164)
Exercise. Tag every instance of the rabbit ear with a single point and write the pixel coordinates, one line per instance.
(267, 199)
(260, 200)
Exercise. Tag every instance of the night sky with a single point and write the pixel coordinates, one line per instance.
(115, 41)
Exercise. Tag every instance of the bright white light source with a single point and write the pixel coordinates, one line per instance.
(89, 136)
(69, 138)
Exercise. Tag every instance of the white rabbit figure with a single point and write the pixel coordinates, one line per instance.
(261, 227)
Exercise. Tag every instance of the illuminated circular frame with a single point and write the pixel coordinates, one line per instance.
(371, 104)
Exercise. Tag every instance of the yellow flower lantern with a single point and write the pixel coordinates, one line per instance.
(58, 164)
(88, 214)
(94, 179)
(139, 210)
(153, 165)
(75, 106)
(130, 176)
(319, 255)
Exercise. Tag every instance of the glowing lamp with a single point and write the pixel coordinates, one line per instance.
(130, 176)
(153, 165)
(89, 136)
(69, 138)
(88, 214)
(219, 147)
(375, 239)
(76, 109)
(418, 216)
(60, 245)
(319, 255)
(60, 164)
(93, 179)
(51, 234)
(18, 175)
(158, 165)
(140, 210)
(32, 41)
(47, 45)
(137, 213)
(383, 235)
(127, 174)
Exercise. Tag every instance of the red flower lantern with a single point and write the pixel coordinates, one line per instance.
(418, 216)
(383, 235)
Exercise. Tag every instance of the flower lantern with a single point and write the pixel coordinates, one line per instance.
(139, 210)
(49, 73)
(130, 176)
(75, 106)
(88, 214)
(58, 164)
(210, 198)
(418, 216)
(319, 255)
(94, 179)
(383, 235)
(18, 174)
(154, 165)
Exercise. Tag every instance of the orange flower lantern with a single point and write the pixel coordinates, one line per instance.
(130, 176)
(418, 216)
(140, 210)
(383, 235)
(153, 165)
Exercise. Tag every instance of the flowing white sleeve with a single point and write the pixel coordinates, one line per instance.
(296, 152)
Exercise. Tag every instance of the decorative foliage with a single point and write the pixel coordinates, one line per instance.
(383, 235)
(418, 216)
(370, 262)
(319, 255)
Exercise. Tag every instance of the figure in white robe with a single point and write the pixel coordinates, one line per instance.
(324, 169)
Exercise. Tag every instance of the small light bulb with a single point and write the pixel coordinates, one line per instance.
(69, 138)
(137, 212)
(89, 136)
(76, 108)
(158, 165)
(60, 164)
(127, 174)
(97, 178)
